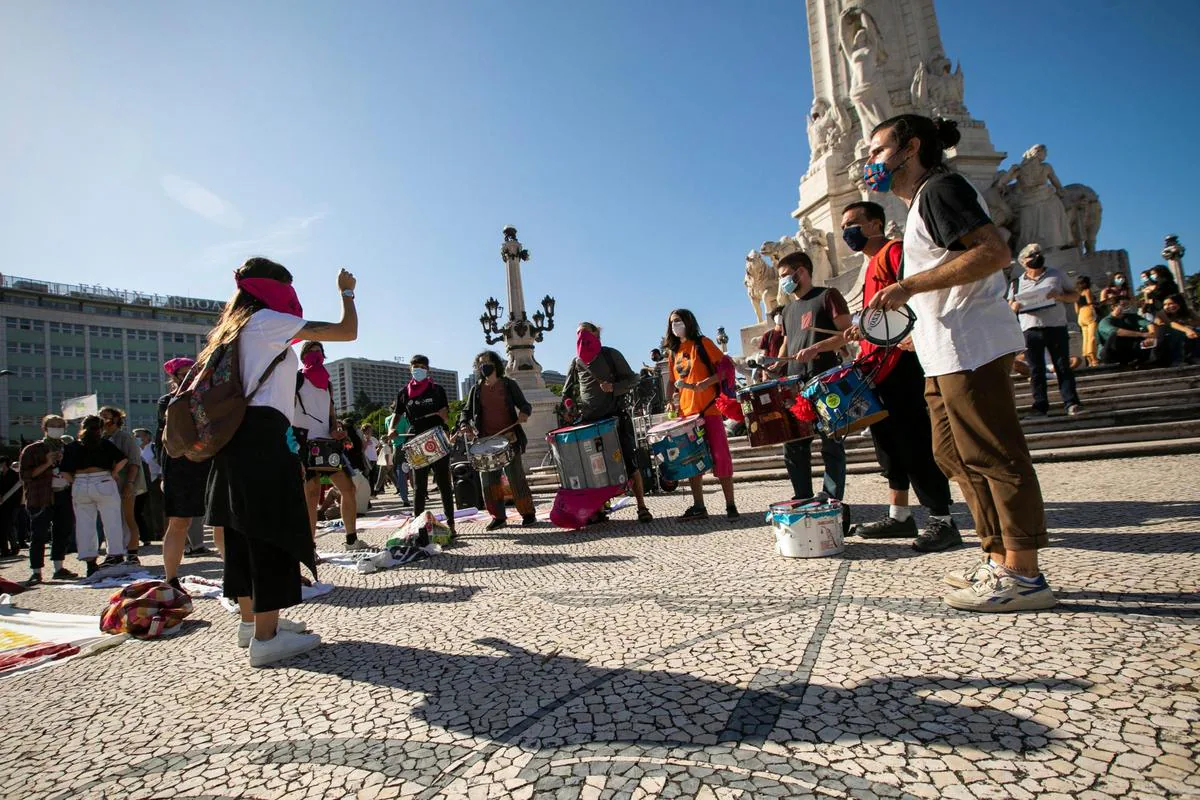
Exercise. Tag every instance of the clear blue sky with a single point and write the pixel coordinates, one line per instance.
(641, 148)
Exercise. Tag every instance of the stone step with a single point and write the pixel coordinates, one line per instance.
(1164, 438)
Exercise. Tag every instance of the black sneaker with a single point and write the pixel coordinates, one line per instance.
(937, 536)
(113, 561)
(496, 524)
(35, 579)
(132, 559)
(174, 584)
(845, 519)
(529, 521)
(731, 511)
(887, 528)
(64, 574)
(91, 567)
(694, 513)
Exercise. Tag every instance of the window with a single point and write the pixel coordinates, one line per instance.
(141, 336)
(29, 395)
(27, 348)
(144, 377)
(30, 372)
(21, 300)
(67, 328)
(107, 352)
(65, 305)
(22, 324)
(108, 311)
(108, 375)
(142, 397)
(143, 355)
(58, 374)
(66, 351)
(104, 331)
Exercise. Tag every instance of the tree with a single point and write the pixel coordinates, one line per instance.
(456, 409)
(555, 389)
(363, 405)
(376, 419)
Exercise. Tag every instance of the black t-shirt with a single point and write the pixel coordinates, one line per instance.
(817, 309)
(949, 207)
(76, 456)
(422, 411)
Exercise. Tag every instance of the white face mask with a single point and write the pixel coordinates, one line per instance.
(679, 329)
(55, 433)
(778, 320)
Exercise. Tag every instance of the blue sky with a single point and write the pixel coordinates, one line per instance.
(640, 148)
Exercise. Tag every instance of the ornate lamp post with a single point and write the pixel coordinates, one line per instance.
(1173, 253)
(518, 332)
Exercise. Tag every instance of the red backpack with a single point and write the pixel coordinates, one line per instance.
(208, 407)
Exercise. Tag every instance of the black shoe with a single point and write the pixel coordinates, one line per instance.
(597, 518)
(64, 574)
(937, 536)
(113, 561)
(174, 584)
(644, 515)
(731, 511)
(845, 520)
(887, 528)
(35, 579)
(132, 559)
(91, 568)
(496, 524)
(529, 521)
(694, 513)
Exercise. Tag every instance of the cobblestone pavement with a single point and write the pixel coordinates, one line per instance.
(666, 660)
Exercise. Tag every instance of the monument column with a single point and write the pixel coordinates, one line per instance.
(1173, 253)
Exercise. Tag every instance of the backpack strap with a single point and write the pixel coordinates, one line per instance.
(270, 368)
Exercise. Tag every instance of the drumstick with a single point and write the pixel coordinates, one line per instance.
(824, 330)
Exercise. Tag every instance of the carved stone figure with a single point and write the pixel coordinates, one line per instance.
(1083, 215)
(827, 127)
(775, 251)
(813, 243)
(862, 45)
(1041, 217)
(938, 89)
(894, 230)
(762, 285)
(997, 196)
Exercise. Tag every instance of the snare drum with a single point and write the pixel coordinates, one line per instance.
(324, 455)
(680, 447)
(491, 454)
(769, 420)
(427, 448)
(589, 456)
(845, 401)
(807, 529)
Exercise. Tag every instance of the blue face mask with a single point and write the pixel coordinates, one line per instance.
(878, 177)
(420, 373)
(788, 285)
(854, 238)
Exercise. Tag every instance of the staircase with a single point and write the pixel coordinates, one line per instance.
(1142, 413)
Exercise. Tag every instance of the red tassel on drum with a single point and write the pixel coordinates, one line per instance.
(731, 409)
(804, 410)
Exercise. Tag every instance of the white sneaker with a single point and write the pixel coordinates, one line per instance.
(356, 545)
(285, 644)
(979, 569)
(246, 630)
(1000, 591)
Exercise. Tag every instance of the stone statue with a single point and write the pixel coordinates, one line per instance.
(1083, 215)
(938, 89)
(775, 251)
(762, 285)
(813, 243)
(996, 196)
(1041, 217)
(894, 230)
(862, 45)
(827, 126)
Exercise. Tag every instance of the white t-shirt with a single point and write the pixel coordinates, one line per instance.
(265, 335)
(371, 448)
(312, 411)
(964, 327)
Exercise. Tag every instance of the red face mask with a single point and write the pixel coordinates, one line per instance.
(274, 294)
(587, 346)
(314, 368)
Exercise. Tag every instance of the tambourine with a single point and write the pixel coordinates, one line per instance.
(886, 328)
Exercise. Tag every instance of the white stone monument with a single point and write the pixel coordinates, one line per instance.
(519, 335)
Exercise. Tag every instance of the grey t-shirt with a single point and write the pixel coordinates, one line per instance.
(125, 442)
(608, 367)
(1052, 316)
(817, 309)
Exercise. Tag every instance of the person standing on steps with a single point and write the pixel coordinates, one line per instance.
(903, 439)
(966, 338)
(811, 349)
(1045, 327)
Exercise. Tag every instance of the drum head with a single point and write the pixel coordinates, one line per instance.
(886, 327)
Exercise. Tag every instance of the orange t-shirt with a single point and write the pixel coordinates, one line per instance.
(687, 366)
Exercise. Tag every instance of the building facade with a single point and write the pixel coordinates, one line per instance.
(380, 380)
(61, 341)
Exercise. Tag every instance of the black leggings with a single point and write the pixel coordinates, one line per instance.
(441, 474)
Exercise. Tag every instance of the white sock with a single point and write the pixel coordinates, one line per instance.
(899, 513)
(57, 565)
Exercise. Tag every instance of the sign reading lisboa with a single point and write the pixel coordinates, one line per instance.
(196, 304)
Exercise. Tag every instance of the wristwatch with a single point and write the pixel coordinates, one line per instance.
(348, 294)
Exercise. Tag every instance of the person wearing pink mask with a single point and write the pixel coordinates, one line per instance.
(603, 378)
(314, 418)
(254, 489)
(426, 406)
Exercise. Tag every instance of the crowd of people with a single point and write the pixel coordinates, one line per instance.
(947, 387)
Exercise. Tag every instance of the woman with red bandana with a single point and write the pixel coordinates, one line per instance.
(254, 489)
(426, 406)
(314, 418)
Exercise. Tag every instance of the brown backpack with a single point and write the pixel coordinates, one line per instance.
(208, 407)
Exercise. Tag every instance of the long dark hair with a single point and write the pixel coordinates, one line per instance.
(935, 135)
(692, 329)
(493, 357)
(90, 434)
(242, 305)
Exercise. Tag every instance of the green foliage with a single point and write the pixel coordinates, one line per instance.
(375, 419)
(456, 409)
(555, 389)
(363, 406)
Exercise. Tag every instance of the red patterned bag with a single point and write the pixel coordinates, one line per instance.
(146, 609)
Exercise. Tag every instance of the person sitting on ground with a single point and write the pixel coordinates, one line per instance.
(1122, 334)
(1116, 288)
(1178, 329)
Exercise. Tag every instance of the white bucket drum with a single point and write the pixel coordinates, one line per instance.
(807, 529)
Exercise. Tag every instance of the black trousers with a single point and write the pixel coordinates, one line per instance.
(904, 439)
(54, 524)
(1055, 340)
(441, 474)
(9, 542)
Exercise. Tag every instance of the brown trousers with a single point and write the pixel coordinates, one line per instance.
(978, 443)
